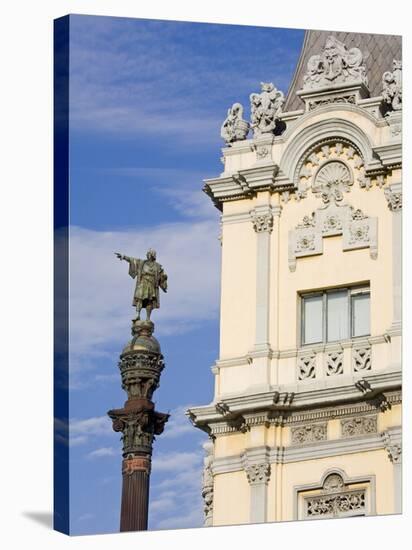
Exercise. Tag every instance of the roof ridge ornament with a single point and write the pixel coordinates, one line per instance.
(336, 64)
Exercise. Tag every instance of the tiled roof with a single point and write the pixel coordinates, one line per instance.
(378, 50)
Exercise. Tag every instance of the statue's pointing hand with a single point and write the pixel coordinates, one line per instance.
(118, 255)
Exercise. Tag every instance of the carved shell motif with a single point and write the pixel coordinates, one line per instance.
(331, 180)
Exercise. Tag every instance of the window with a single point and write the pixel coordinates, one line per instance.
(336, 314)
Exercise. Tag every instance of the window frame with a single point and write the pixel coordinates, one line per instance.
(351, 291)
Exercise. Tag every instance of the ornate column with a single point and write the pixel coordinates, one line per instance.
(393, 195)
(258, 476)
(393, 445)
(141, 364)
(262, 219)
(207, 489)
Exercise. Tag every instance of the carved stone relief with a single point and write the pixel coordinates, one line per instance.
(335, 500)
(394, 199)
(258, 473)
(266, 107)
(334, 363)
(335, 65)
(357, 230)
(392, 88)
(262, 222)
(207, 489)
(306, 367)
(308, 433)
(234, 128)
(361, 425)
(393, 448)
(361, 359)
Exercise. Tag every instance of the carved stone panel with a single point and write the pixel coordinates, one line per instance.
(258, 473)
(336, 64)
(306, 366)
(334, 363)
(361, 359)
(308, 433)
(362, 425)
(335, 499)
(357, 230)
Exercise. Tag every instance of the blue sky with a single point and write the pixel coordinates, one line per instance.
(147, 99)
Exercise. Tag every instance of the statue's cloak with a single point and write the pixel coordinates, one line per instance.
(147, 289)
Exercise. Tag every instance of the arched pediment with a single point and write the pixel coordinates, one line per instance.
(302, 141)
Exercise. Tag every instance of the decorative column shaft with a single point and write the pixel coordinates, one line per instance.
(262, 219)
(393, 445)
(393, 195)
(258, 476)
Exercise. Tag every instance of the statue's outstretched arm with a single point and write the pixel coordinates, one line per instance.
(122, 256)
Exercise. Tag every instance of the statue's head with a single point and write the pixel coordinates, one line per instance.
(151, 254)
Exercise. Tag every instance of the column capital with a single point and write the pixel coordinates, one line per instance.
(393, 446)
(393, 194)
(258, 473)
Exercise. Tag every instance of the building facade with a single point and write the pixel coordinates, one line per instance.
(306, 416)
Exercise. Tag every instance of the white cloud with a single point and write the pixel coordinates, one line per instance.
(178, 423)
(96, 425)
(102, 452)
(175, 461)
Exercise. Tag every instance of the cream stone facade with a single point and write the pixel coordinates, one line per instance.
(307, 427)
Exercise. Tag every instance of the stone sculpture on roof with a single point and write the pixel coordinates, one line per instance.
(234, 128)
(392, 87)
(265, 109)
(335, 65)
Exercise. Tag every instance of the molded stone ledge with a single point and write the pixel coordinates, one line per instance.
(352, 93)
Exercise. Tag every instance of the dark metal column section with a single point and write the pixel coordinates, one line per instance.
(141, 364)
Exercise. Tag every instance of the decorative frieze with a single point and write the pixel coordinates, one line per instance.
(234, 128)
(306, 366)
(335, 65)
(266, 107)
(360, 425)
(309, 433)
(258, 473)
(361, 359)
(392, 88)
(334, 363)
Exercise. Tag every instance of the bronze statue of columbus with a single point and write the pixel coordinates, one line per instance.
(149, 276)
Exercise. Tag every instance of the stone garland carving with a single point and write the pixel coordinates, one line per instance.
(361, 359)
(394, 449)
(234, 128)
(361, 425)
(334, 500)
(308, 433)
(334, 363)
(306, 367)
(258, 473)
(392, 88)
(394, 199)
(335, 65)
(207, 489)
(357, 230)
(266, 107)
(262, 222)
